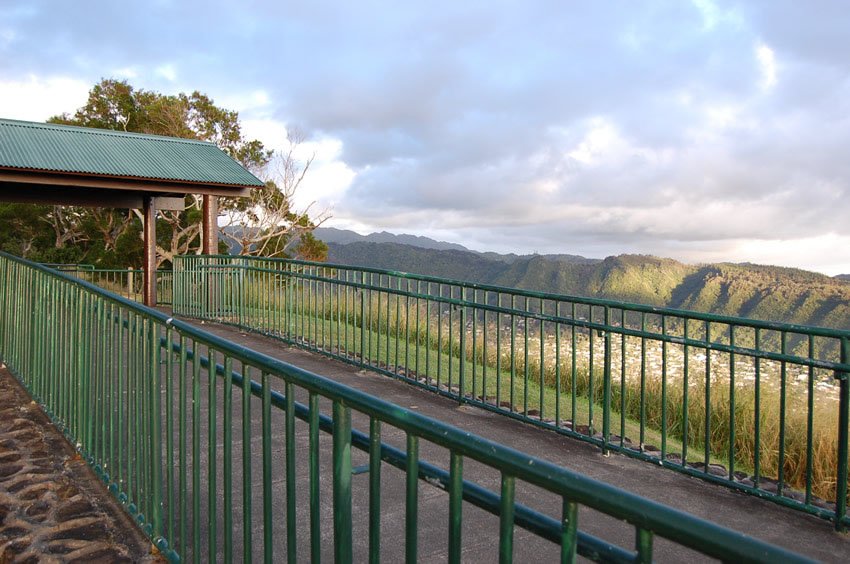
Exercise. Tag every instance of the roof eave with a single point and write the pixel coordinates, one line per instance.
(137, 184)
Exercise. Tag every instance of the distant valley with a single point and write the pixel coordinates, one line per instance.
(760, 292)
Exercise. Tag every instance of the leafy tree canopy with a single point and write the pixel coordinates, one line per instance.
(266, 222)
(117, 105)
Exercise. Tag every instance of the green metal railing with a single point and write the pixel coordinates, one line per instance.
(125, 282)
(759, 407)
(197, 437)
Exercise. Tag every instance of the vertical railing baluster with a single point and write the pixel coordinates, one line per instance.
(411, 517)
(623, 383)
(732, 421)
(525, 330)
(212, 458)
(757, 416)
(169, 436)
(499, 351)
(291, 484)
(268, 500)
(181, 446)
(343, 547)
(512, 360)
(506, 520)
(227, 427)
(591, 374)
(462, 359)
(362, 294)
(685, 389)
(196, 453)
(455, 506)
(542, 370)
(707, 439)
(644, 545)
(374, 490)
(315, 505)
(558, 365)
(843, 439)
(573, 369)
(156, 431)
(247, 539)
(474, 333)
(606, 390)
(569, 531)
(782, 408)
(643, 381)
(664, 389)
(810, 421)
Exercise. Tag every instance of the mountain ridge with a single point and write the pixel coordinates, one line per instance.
(770, 293)
(345, 236)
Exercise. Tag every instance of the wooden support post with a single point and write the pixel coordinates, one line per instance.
(209, 246)
(149, 289)
(209, 230)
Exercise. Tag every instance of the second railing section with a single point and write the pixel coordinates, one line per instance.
(757, 406)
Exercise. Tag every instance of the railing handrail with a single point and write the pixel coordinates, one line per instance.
(641, 308)
(662, 520)
(585, 324)
(94, 269)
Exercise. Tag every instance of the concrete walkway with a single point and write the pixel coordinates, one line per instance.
(761, 519)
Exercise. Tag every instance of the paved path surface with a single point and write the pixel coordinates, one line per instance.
(802, 533)
(52, 506)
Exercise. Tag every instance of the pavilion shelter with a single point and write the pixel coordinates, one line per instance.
(51, 164)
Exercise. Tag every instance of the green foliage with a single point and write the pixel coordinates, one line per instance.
(23, 232)
(310, 248)
(114, 104)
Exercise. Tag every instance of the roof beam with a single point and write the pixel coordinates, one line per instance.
(85, 197)
(42, 178)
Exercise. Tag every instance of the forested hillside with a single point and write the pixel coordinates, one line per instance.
(760, 292)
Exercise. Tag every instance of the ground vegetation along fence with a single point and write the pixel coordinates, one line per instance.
(199, 439)
(125, 282)
(759, 407)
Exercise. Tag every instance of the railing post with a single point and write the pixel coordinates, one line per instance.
(606, 390)
(156, 432)
(290, 296)
(362, 293)
(462, 370)
(843, 423)
(343, 548)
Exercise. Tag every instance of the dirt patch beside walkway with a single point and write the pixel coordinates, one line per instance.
(53, 508)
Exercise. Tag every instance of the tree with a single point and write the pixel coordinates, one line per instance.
(266, 222)
(23, 229)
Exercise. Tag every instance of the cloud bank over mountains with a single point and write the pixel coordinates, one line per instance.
(705, 131)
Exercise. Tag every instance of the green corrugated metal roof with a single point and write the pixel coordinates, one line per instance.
(104, 152)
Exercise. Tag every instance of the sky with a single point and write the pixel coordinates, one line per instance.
(704, 131)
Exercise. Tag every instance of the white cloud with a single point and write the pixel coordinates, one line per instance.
(252, 105)
(37, 98)
(712, 15)
(270, 131)
(823, 253)
(328, 178)
(126, 72)
(167, 71)
(600, 141)
(767, 66)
